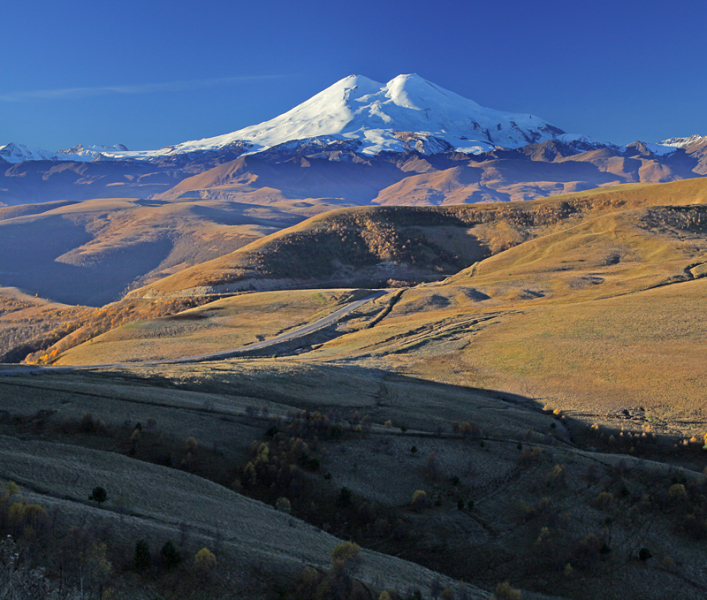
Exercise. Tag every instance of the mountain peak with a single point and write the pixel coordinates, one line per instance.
(406, 114)
(380, 117)
(684, 142)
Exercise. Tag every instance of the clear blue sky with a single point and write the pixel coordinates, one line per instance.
(147, 73)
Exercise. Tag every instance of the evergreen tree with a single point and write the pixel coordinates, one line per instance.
(170, 555)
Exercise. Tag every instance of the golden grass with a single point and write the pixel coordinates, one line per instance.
(27, 322)
(568, 314)
(645, 349)
(591, 316)
(218, 326)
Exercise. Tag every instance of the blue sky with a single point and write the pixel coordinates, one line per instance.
(148, 73)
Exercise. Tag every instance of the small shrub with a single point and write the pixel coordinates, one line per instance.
(34, 516)
(504, 591)
(677, 493)
(556, 476)
(204, 560)
(603, 500)
(99, 494)
(470, 430)
(86, 423)
(344, 498)
(530, 456)
(419, 500)
(283, 505)
(344, 553)
(432, 467)
(100, 427)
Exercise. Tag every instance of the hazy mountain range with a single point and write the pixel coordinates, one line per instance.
(357, 142)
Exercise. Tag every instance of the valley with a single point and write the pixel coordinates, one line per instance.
(490, 393)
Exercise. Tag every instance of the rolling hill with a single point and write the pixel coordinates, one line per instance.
(90, 252)
(521, 410)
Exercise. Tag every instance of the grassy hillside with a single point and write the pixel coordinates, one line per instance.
(406, 243)
(510, 493)
(603, 286)
(596, 317)
(215, 327)
(535, 417)
(90, 252)
(340, 247)
(29, 324)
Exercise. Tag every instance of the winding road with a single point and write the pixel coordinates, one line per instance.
(300, 332)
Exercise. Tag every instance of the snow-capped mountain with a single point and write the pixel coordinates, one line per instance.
(92, 151)
(684, 142)
(362, 116)
(407, 113)
(17, 153)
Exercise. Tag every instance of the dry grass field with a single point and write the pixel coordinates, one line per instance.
(215, 327)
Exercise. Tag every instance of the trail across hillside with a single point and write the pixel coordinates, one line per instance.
(300, 332)
(284, 337)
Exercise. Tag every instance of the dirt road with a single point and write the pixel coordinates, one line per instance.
(300, 332)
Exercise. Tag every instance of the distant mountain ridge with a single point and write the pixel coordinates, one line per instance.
(357, 142)
(357, 114)
(17, 153)
(685, 142)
